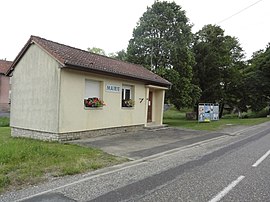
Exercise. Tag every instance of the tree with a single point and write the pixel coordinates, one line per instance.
(219, 60)
(161, 42)
(258, 79)
(120, 55)
(96, 50)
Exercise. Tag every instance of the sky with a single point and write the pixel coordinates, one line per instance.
(108, 24)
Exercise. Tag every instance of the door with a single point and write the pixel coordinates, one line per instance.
(150, 104)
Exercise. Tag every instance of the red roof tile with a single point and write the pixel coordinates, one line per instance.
(75, 58)
(4, 66)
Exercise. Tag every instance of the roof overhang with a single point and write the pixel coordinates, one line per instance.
(156, 87)
(147, 82)
(23, 51)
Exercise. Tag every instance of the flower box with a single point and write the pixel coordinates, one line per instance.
(93, 102)
(128, 103)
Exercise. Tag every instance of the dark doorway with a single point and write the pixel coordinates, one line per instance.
(150, 104)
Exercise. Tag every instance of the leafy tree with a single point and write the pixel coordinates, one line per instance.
(237, 92)
(219, 60)
(161, 42)
(120, 55)
(96, 50)
(258, 79)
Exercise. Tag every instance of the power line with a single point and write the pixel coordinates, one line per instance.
(238, 12)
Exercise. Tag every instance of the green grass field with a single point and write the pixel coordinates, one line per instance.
(25, 161)
(177, 118)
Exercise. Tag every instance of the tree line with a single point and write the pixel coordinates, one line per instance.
(204, 67)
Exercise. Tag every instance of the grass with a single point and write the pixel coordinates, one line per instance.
(25, 161)
(4, 121)
(176, 118)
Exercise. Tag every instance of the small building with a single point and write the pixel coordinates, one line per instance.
(4, 86)
(61, 92)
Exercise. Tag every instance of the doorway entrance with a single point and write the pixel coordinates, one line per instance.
(150, 104)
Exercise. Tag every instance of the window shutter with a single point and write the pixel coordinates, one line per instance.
(92, 89)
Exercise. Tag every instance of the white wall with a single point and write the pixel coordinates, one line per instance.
(35, 92)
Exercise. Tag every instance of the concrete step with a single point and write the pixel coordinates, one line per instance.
(155, 127)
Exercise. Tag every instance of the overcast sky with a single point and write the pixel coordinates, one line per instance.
(108, 24)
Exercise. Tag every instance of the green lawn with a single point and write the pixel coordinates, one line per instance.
(177, 118)
(4, 121)
(26, 161)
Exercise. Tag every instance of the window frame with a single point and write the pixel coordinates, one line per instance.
(127, 103)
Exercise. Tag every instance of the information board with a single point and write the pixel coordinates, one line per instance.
(208, 112)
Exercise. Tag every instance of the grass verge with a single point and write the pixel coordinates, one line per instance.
(176, 118)
(4, 122)
(24, 161)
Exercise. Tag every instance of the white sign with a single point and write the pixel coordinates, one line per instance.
(112, 88)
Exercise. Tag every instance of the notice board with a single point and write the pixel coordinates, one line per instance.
(208, 112)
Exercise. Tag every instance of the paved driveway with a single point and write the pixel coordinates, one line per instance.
(145, 143)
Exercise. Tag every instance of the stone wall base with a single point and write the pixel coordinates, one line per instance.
(48, 136)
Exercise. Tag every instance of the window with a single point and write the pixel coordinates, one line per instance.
(92, 96)
(127, 96)
(92, 89)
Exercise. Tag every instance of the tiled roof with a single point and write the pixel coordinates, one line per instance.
(75, 58)
(4, 66)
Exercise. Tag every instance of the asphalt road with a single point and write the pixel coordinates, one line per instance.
(232, 168)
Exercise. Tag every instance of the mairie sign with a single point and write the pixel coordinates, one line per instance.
(112, 88)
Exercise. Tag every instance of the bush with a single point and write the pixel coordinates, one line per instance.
(260, 114)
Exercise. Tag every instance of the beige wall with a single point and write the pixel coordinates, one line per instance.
(35, 92)
(4, 93)
(158, 106)
(73, 115)
(157, 103)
